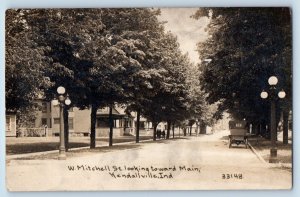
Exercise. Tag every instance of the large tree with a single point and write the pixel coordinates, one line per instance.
(81, 56)
(199, 110)
(141, 31)
(25, 63)
(246, 46)
(74, 41)
(101, 56)
(169, 84)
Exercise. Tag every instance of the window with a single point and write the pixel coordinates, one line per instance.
(71, 124)
(121, 123)
(142, 125)
(130, 123)
(8, 126)
(44, 107)
(104, 122)
(44, 121)
(238, 125)
(56, 121)
(101, 122)
(56, 108)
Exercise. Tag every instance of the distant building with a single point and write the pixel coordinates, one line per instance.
(223, 123)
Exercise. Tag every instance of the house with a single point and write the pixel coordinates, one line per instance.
(146, 127)
(79, 121)
(11, 124)
(47, 122)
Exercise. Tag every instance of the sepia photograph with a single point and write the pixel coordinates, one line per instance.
(127, 99)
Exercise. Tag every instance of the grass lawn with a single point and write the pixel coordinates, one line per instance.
(37, 147)
(88, 151)
(32, 145)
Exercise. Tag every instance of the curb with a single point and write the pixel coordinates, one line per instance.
(257, 154)
(279, 165)
(70, 149)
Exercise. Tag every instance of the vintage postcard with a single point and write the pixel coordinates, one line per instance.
(148, 99)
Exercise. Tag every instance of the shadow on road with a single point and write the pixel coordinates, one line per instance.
(225, 137)
(241, 146)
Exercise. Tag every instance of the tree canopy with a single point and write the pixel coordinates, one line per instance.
(101, 57)
(246, 46)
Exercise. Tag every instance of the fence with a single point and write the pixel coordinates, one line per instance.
(34, 132)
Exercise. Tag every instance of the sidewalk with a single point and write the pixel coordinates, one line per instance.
(261, 148)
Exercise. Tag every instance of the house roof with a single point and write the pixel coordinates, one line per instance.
(117, 113)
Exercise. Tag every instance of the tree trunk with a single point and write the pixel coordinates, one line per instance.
(168, 129)
(258, 129)
(184, 131)
(154, 131)
(255, 128)
(173, 130)
(202, 128)
(191, 130)
(264, 129)
(66, 127)
(285, 126)
(137, 136)
(111, 126)
(268, 131)
(93, 126)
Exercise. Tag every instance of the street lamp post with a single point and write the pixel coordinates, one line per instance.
(62, 101)
(197, 127)
(273, 97)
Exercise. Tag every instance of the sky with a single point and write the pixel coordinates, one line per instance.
(188, 30)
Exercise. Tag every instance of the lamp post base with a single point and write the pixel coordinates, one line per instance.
(273, 155)
(62, 155)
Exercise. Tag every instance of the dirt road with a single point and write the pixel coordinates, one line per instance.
(203, 162)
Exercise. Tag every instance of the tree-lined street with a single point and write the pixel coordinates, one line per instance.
(107, 59)
(110, 59)
(115, 75)
(220, 168)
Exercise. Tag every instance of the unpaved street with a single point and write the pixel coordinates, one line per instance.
(203, 162)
